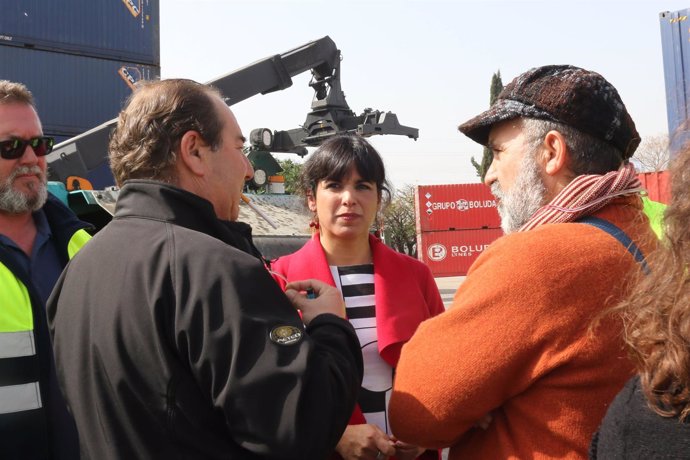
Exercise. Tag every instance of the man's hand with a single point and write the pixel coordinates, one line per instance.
(365, 442)
(327, 299)
(405, 451)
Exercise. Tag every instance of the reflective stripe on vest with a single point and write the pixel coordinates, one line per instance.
(17, 344)
(18, 398)
(17, 333)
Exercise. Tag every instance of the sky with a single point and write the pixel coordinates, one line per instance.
(430, 62)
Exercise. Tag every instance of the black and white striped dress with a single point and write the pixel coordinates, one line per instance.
(356, 283)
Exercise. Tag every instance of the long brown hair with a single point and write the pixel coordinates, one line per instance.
(657, 312)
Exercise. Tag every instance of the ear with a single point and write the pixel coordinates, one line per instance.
(311, 201)
(555, 153)
(190, 153)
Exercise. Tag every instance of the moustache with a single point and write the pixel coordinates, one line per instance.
(496, 190)
(22, 170)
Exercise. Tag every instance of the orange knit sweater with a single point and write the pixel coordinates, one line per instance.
(516, 344)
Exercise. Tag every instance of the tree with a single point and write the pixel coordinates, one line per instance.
(652, 154)
(291, 172)
(494, 91)
(399, 222)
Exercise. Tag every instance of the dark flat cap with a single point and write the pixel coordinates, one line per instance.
(565, 94)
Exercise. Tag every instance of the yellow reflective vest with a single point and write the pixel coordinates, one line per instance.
(25, 347)
(655, 213)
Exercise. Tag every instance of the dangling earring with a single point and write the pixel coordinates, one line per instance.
(311, 204)
(314, 223)
(379, 225)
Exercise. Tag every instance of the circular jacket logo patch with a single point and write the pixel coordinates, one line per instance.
(286, 335)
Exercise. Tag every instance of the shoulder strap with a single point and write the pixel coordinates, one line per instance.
(620, 235)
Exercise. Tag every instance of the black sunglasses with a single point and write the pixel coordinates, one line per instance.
(14, 148)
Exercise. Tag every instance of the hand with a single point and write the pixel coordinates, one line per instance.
(328, 299)
(364, 442)
(405, 451)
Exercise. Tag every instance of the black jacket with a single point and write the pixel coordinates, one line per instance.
(631, 430)
(162, 333)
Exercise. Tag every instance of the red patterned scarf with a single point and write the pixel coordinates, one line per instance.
(585, 195)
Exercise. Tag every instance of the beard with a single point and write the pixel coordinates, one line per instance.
(13, 201)
(527, 195)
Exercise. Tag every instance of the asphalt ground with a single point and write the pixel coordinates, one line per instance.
(447, 287)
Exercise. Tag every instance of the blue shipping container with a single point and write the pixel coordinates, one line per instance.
(125, 30)
(675, 40)
(73, 93)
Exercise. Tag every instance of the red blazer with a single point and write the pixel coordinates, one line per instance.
(405, 293)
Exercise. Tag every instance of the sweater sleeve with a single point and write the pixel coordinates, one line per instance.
(287, 398)
(507, 328)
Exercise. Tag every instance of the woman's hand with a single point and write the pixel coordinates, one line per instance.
(365, 442)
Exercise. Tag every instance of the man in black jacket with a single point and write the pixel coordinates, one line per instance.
(172, 339)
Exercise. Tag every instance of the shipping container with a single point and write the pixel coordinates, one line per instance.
(451, 253)
(657, 185)
(73, 93)
(125, 30)
(455, 207)
(675, 40)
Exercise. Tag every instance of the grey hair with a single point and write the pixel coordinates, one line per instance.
(12, 92)
(588, 155)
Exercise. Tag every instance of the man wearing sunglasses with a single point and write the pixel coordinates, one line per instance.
(38, 235)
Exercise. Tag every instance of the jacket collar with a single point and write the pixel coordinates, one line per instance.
(396, 287)
(167, 203)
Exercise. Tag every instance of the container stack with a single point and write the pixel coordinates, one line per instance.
(79, 58)
(657, 185)
(675, 49)
(455, 224)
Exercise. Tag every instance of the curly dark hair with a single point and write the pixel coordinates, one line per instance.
(657, 312)
(145, 142)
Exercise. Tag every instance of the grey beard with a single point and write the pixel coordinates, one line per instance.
(527, 195)
(15, 202)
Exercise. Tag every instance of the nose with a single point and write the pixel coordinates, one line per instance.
(29, 156)
(490, 177)
(249, 171)
(348, 196)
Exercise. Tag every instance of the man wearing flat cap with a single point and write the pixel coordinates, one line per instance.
(523, 365)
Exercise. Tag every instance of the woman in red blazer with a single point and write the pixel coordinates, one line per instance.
(387, 294)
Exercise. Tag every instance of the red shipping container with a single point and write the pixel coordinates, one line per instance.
(455, 207)
(451, 253)
(657, 185)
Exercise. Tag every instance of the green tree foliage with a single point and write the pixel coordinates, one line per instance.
(399, 222)
(494, 91)
(291, 172)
